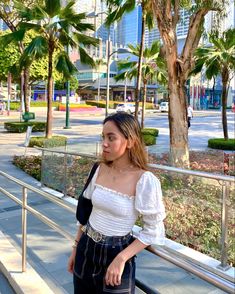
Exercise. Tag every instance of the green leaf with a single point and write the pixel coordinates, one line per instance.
(52, 7)
(16, 36)
(85, 58)
(65, 66)
(86, 40)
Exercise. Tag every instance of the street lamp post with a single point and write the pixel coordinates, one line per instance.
(67, 122)
(108, 75)
(119, 51)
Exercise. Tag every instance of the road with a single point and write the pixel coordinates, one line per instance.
(204, 125)
(86, 129)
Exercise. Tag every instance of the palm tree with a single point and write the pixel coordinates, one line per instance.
(98, 65)
(10, 15)
(118, 9)
(219, 59)
(57, 28)
(153, 69)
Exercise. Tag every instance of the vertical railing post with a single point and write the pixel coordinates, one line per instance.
(97, 150)
(65, 173)
(224, 227)
(24, 229)
(42, 167)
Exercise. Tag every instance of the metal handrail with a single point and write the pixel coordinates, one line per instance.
(156, 166)
(226, 181)
(224, 285)
(26, 207)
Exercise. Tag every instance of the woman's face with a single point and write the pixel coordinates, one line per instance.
(114, 143)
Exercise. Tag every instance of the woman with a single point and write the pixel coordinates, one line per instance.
(121, 189)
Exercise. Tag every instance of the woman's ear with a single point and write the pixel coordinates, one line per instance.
(130, 143)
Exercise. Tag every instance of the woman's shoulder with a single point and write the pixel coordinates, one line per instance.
(148, 176)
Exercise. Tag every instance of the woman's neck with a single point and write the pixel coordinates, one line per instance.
(122, 163)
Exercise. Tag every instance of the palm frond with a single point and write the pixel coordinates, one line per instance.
(126, 64)
(150, 20)
(118, 9)
(65, 66)
(68, 10)
(52, 7)
(75, 18)
(37, 48)
(16, 36)
(29, 26)
(36, 12)
(67, 40)
(83, 27)
(86, 40)
(85, 57)
(120, 77)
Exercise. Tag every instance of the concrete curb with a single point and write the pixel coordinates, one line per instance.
(11, 264)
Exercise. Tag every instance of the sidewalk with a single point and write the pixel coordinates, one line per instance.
(48, 252)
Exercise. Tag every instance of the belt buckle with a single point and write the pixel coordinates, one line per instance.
(96, 236)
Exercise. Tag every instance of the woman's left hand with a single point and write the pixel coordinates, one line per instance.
(114, 272)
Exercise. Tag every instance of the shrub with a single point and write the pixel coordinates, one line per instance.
(54, 141)
(101, 104)
(150, 131)
(113, 104)
(15, 105)
(149, 139)
(221, 143)
(21, 127)
(30, 164)
(149, 136)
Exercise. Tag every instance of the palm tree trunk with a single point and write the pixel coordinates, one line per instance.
(225, 78)
(143, 104)
(26, 89)
(137, 94)
(26, 74)
(49, 94)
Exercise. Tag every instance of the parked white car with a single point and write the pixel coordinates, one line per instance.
(164, 106)
(127, 107)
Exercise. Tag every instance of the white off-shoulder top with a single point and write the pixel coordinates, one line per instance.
(114, 213)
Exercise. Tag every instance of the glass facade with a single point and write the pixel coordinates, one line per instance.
(129, 28)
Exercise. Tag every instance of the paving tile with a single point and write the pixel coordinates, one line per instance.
(191, 284)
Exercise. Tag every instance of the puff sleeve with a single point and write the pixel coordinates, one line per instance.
(149, 204)
(90, 189)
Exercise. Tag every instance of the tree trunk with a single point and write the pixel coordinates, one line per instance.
(26, 74)
(49, 94)
(167, 15)
(178, 126)
(139, 73)
(143, 104)
(26, 88)
(179, 154)
(225, 78)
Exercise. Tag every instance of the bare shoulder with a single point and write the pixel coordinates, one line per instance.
(103, 169)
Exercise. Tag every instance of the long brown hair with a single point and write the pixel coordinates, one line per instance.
(129, 126)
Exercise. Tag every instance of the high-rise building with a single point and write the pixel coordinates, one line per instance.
(182, 29)
(129, 27)
(3, 26)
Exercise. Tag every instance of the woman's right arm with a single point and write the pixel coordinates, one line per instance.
(71, 260)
